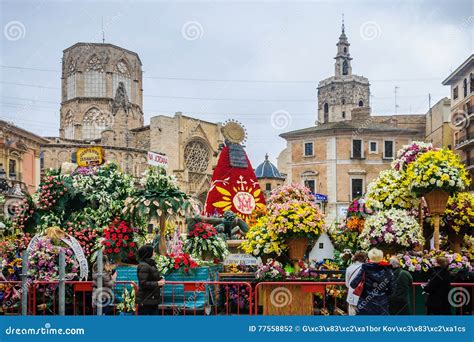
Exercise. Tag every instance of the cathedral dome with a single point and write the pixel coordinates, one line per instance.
(268, 170)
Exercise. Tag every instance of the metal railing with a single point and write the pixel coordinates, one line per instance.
(200, 297)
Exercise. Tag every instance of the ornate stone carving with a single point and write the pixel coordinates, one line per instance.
(121, 100)
(196, 156)
(95, 63)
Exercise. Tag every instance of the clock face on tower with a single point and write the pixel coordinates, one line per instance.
(122, 67)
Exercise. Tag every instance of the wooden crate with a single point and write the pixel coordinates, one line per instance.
(287, 300)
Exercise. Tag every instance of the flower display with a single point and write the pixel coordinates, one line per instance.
(159, 198)
(160, 195)
(104, 191)
(127, 304)
(393, 228)
(436, 169)
(286, 193)
(271, 271)
(85, 170)
(84, 234)
(54, 191)
(390, 190)
(424, 261)
(343, 238)
(118, 242)
(296, 218)
(44, 263)
(25, 215)
(409, 153)
(459, 213)
(203, 241)
(358, 208)
(261, 241)
(355, 224)
(173, 262)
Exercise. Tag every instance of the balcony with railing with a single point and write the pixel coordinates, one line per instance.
(464, 140)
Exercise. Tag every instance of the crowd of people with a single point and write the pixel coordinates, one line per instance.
(378, 287)
(375, 286)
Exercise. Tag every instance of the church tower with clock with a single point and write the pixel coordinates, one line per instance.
(339, 94)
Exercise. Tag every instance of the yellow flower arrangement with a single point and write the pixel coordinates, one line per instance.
(390, 190)
(260, 240)
(436, 169)
(296, 218)
(459, 214)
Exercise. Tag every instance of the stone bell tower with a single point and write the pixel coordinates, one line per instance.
(339, 94)
(101, 93)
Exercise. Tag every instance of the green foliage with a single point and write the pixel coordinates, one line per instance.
(160, 196)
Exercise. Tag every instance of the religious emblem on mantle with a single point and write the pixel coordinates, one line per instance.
(234, 185)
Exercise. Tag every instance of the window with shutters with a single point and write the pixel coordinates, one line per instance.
(388, 151)
(308, 149)
(357, 188)
(357, 149)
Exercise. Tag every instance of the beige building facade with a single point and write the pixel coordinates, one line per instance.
(461, 82)
(438, 129)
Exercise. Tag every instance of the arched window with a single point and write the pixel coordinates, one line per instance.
(69, 126)
(94, 78)
(465, 87)
(326, 112)
(345, 68)
(71, 79)
(95, 121)
(71, 86)
(122, 74)
(361, 103)
(345, 50)
(196, 156)
(343, 101)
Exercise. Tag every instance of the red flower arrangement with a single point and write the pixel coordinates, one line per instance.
(118, 241)
(24, 212)
(183, 260)
(172, 262)
(202, 230)
(85, 234)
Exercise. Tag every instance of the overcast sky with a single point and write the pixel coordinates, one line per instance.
(413, 45)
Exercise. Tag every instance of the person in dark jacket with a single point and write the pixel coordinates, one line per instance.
(106, 295)
(438, 288)
(149, 282)
(399, 301)
(379, 284)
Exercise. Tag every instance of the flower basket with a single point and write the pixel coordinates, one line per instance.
(297, 247)
(436, 201)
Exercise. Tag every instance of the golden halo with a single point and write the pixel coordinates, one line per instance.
(234, 132)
